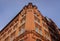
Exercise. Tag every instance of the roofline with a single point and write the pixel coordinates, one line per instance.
(14, 17)
(11, 21)
(17, 15)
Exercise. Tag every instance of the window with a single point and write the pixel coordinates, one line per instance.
(12, 36)
(7, 39)
(21, 40)
(37, 20)
(45, 26)
(16, 20)
(51, 31)
(53, 38)
(36, 29)
(48, 19)
(40, 31)
(38, 40)
(6, 29)
(47, 35)
(15, 26)
(11, 24)
(21, 29)
(36, 14)
(9, 31)
(23, 20)
(4, 35)
(23, 15)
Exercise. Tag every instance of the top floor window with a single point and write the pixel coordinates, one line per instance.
(16, 20)
(23, 15)
(11, 24)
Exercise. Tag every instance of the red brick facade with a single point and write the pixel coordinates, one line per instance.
(30, 25)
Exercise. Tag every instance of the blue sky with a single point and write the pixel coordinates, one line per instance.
(10, 8)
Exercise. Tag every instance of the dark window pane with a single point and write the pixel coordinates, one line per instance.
(38, 40)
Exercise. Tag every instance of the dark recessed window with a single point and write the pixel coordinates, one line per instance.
(16, 20)
(38, 40)
(24, 15)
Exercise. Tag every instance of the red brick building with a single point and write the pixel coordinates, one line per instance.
(30, 25)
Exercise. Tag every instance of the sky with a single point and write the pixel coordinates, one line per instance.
(10, 8)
